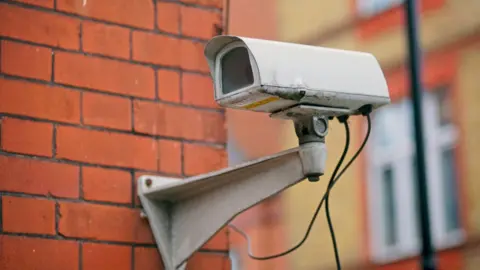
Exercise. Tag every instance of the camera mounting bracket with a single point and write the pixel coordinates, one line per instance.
(185, 213)
(307, 111)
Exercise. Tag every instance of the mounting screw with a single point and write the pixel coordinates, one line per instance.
(148, 182)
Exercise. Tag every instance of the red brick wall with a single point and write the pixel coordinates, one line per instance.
(94, 93)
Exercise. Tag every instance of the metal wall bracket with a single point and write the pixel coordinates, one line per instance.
(185, 214)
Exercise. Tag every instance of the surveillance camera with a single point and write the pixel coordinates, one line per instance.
(290, 80)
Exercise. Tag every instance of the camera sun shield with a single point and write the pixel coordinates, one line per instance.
(271, 76)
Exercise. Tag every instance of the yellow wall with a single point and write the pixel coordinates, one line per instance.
(455, 20)
(306, 20)
(301, 21)
(469, 98)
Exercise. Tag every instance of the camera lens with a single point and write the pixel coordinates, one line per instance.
(236, 70)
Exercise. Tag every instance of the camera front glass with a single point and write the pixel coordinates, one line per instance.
(236, 70)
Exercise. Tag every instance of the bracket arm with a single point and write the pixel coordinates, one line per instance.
(185, 214)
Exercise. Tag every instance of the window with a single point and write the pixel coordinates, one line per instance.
(394, 216)
(391, 236)
(449, 191)
(368, 8)
(235, 260)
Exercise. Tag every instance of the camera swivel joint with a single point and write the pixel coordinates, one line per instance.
(312, 130)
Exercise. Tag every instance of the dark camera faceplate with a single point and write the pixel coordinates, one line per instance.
(236, 70)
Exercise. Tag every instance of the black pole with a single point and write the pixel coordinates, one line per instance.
(415, 60)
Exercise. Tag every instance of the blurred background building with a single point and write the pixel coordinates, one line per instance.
(373, 206)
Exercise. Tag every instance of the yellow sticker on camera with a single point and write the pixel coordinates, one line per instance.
(260, 102)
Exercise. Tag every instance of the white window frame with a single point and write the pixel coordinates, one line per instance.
(368, 8)
(235, 260)
(437, 138)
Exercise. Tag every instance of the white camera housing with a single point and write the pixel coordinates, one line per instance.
(289, 80)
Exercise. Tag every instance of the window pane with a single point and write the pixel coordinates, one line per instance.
(371, 7)
(235, 260)
(444, 106)
(387, 127)
(450, 197)
(381, 5)
(389, 207)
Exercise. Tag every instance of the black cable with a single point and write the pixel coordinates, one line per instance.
(365, 140)
(319, 206)
(329, 188)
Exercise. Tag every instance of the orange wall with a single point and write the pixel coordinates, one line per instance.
(253, 18)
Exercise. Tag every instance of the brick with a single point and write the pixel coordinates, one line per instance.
(105, 39)
(169, 51)
(199, 22)
(26, 137)
(101, 222)
(26, 60)
(137, 13)
(28, 215)
(168, 85)
(37, 254)
(147, 259)
(40, 101)
(200, 159)
(209, 3)
(170, 156)
(218, 242)
(155, 49)
(198, 90)
(191, 56)
(176, 121)
(208, 261)
(38, 177)
(98, 147)
(168, 17)
(107, 185)
(136, 199)
(40, 27)
(40, 3)
(104, 75)
(107, 111)
(106, 257)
